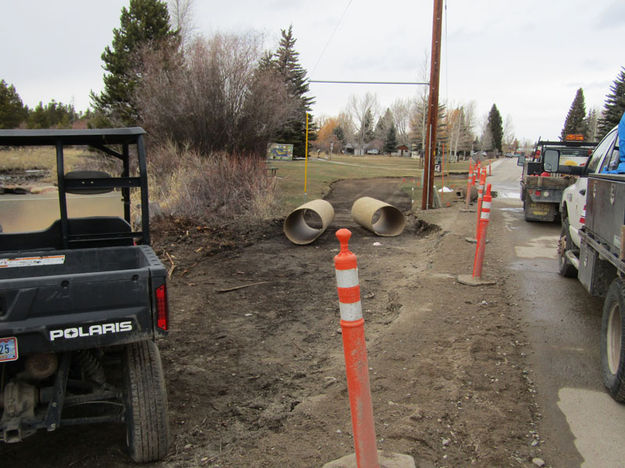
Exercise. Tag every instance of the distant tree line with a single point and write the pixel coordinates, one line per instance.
(14, 114)
(401, 128)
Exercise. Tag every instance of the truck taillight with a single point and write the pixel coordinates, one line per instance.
(162, 313)
(537, 193)
(582, 218)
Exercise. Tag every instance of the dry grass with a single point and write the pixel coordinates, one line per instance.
(218, 188)
(40, 157)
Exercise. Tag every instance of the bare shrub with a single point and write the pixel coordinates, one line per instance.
(217, 189)
(217, 99)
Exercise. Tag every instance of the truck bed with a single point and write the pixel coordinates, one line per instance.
(62, 300)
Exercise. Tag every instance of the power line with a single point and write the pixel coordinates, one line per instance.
(372, 82)
(331, 36)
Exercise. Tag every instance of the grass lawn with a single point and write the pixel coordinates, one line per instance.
(322, 172)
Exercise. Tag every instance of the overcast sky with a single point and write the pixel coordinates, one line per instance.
(528, 57)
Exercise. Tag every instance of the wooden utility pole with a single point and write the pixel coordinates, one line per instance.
(432, 122)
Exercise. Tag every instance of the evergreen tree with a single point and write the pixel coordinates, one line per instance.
(614, 105)
(144, 24)
(340, 134)
(390, 142)
(286, 62)
(52, 115)
(592, 124)
(383, 125)
(495, 126)
(12, 110)
(367, 131)
(575, 122)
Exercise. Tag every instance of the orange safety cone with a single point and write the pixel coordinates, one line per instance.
(354, 348)
(481, 237)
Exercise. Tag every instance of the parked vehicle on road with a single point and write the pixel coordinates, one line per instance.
(81, 304)
(542, 184)
(573, 204)
(592, 247)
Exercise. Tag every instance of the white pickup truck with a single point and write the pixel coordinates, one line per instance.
(592, 248)
(573, 204)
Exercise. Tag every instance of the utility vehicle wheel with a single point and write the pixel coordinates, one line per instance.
(565, 267)
(613, 341)
(147, 431)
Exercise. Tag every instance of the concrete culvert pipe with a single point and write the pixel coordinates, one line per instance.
(308, 222)
(379, 217)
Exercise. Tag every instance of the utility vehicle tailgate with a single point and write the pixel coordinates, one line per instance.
(71, 299)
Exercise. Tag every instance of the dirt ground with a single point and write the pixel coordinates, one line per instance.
(254, 365)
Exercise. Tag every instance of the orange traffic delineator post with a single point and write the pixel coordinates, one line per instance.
(481, 233)
(480, 196)
(354, 348)
(357, 368)
(476, 277)
(481, 174)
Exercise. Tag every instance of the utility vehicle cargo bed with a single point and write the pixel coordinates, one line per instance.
(69, 299)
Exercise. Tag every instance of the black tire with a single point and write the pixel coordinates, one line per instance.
(147, 429)
(613, 341)
(565, 267)
(525, 210)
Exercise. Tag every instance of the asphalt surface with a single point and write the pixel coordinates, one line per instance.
(581, 425)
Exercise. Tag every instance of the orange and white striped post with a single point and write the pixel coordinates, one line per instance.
(481, 236)
(480, 196)
(354, 348)
(467, 200)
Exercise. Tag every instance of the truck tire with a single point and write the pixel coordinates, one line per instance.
(613, 341)
(145, 397)
(525, 212)
(565, 267)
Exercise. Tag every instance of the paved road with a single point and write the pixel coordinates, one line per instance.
(581, 424)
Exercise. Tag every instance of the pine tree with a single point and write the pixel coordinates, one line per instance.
(12, 110)
(575, 122)
(495, 126)
(52, 115)
(384, 124)
(144, 23)
(367, 131)
(390, 142)
(614, 105)
(340, 134)
(286, 62)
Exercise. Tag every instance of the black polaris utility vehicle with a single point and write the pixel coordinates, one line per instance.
(81, 304)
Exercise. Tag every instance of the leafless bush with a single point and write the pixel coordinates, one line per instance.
(214, 189)
(217, 99)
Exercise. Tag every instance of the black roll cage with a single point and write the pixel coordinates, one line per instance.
(103, 140)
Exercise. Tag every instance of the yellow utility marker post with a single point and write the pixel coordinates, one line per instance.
(306, 158)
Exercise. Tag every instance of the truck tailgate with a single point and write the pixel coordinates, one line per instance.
(78, 298)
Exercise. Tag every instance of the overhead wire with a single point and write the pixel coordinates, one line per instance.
(331, 37)
(371, 82)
